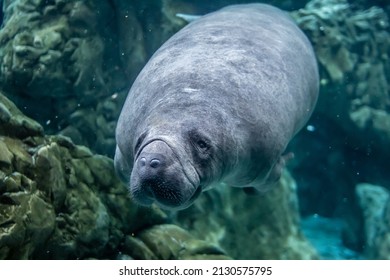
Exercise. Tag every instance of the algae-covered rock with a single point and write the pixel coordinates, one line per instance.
(60, 201)
(77, 59)
(374, 204)
(27, 219)
(172, 242)
(349, 131)
(353, 50)
(63, 56)
(251, 227)
(14, 123)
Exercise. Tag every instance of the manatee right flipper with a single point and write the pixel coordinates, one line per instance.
(273, 177)
(276, 171)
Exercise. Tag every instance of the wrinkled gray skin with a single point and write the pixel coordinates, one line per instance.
(218, 102)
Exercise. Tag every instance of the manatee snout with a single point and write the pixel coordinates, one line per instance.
(158, 176)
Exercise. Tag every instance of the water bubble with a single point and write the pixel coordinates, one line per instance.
(310, 128)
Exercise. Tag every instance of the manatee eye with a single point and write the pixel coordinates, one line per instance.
(199, 142)
(202, 145)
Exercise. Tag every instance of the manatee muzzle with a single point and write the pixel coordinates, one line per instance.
(158, 176)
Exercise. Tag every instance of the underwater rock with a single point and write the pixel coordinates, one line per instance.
(73, 57)
(353, 50)
(172, 242)
(370, 3)
(250, 227)
(26, 216)
(60, 201)
(14, 123)
(206, 6)
(349, 131)
(374, 204)
(62, 55)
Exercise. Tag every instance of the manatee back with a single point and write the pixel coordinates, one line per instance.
(264, 59)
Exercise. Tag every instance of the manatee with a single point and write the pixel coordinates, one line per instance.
(217, 103)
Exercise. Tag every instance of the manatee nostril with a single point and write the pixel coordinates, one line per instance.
(150, 162)
(142, 161)
(154, 163)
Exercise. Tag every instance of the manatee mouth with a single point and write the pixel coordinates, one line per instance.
(160, 176)
(184, 205)
(178, 204)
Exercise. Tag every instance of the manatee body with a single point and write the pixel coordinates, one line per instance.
(218, 102)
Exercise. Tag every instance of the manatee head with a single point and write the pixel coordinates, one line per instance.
(174, 163)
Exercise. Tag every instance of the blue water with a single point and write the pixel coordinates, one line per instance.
(326, 236)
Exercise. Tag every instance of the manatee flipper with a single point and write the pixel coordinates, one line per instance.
(273, 177)
(188, 18)
(276, 171)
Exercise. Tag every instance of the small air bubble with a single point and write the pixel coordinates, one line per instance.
(310, 128)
